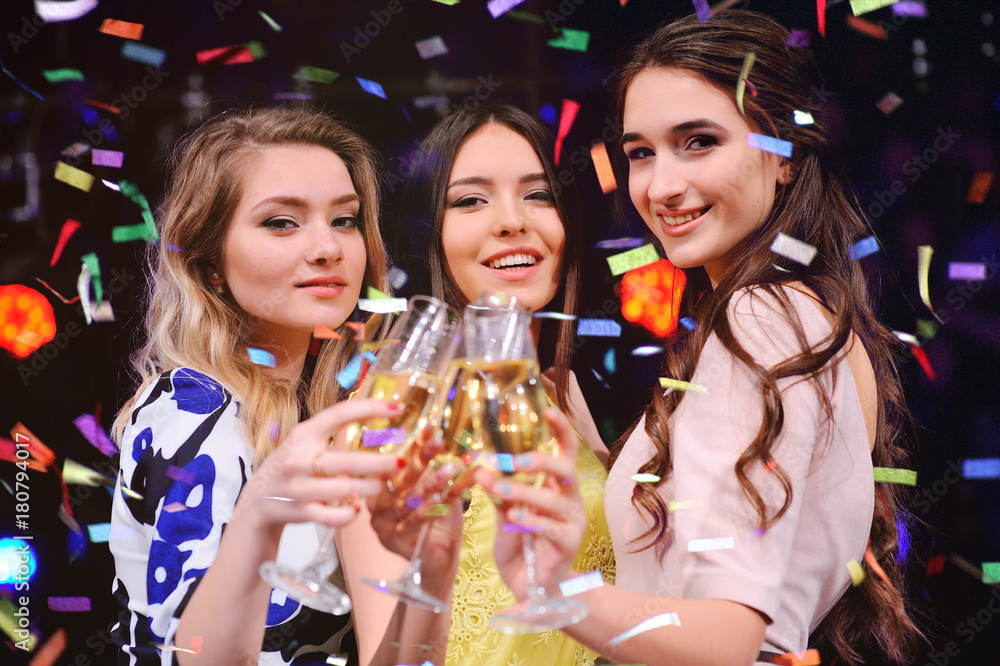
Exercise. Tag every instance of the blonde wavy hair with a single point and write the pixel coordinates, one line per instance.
(188, 324)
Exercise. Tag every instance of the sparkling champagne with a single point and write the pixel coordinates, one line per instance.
(494, 411)
(414, 391)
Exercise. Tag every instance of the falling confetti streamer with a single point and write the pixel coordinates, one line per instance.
(643, 477)
(602, 164)
(497, 8)
(666, 382)
(143, 53)
(566, 118)
(604, 328)
(582, 583)
(655, 622)
(864, 6)
(741, 83)
(56, 11)
(924, 255)
(371, 87)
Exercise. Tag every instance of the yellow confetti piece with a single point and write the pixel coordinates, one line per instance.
(741, 84)
(906, 477)
(602, 163)
(675, 505)
(645, 478)
(924, 254)
(666, 382)
(864, 6)
(623, 262)
(74, 472)
(856, 571)
(73, 176)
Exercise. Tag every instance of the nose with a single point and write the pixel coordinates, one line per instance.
(667, 184)
(509, 218)
(323, 246)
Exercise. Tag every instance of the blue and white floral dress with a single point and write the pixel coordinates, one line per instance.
(184, 453)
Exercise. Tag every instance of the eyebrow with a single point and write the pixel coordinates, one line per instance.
(480, 180)
(700, 123)
(299, 202)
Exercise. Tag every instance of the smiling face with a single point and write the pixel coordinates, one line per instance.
(294, 255)
(500, 229)
(697, 184)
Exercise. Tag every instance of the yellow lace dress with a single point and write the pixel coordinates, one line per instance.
(479, 591)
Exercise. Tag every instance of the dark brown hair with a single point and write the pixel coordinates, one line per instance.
(813, 208)
(425, 202)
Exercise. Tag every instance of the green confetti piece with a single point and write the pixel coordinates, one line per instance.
(666, 382)
(270, 21)
(90, 260)
(525, 17)
(60, 75)
(256, 49)
(860, 7)
(375, 294)
(316, 74)
(926, 328)
(741, 84)
(991, 572)
(131, 232)
(131, 192)
(573, 40)
(626, 261)
(450, 3)
(857, 572)
(437, 510)
(906, 477)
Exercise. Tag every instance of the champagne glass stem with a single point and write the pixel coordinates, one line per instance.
(534, 590)
(325, 561)
(416, 561)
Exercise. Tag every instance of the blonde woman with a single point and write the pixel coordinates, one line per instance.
(270, 226)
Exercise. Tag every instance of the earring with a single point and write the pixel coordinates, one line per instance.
(215, 276)
(220, 289)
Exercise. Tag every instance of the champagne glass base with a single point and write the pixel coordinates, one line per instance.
(409, 592)
(307, 587)
(539, 614)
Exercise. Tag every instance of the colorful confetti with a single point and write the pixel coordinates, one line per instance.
(262, 357)
(910, 8)
(864, 6)
(966, 271)
(572, 40)
(72, 176)
(647, 350)
(60, 75)
(802, 117)
(794, 249)
(661, 620)
(741, 83)
(666, 382)
(643, 477)
(979, 187)
(69, 604)
(122, 29)
(431, 47)
(904, 477)
(497, 8)
(107, 158)
(807, 658)
(717, 543)
(603, 328)
(181, 475)
(602, 163)
(383, 437)
(924, 255)
(322, 332)
(56, 11)
(316, 74)
(981, 468)
(675, 505)
(382, 305)
(857, 572)
(769, 144)
(867, 28)
(371, 87)
(863, 248)
(349, 375)
(889, 103)
(554, 315)
(626, 261)
(582, 583)
(270, 21)
(688, 323)
(800, 38)
(143, 53)
(236, 54)
(92, 431)
(68, 229)
(624, 243)
(566, 118)
(702, 11)
(991, 572)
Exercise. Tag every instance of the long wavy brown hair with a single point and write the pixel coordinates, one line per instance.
(815, 208)
(189, 324)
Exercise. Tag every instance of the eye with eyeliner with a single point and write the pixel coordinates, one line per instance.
(469, 201)
(345, 222)
(277, 223)
(541, 196)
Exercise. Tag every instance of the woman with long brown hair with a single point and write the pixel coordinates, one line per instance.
(757, 502)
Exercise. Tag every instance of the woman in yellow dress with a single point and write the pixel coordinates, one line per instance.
(502, 222)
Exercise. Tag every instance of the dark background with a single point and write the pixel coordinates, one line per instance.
(945, 67)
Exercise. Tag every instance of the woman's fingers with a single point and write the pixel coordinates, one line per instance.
(545, 501)
(329, 462)
(326, 423)
(562, 463)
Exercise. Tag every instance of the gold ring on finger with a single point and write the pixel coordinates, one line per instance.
(318, 465)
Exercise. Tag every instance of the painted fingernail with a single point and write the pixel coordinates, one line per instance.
(523, 460)
(517, 514)
(400, 462)
(504, 488)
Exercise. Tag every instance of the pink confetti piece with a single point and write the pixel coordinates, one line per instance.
(89, 427)
(498, 8)
(702, 11)
(108, 158)
(225, 55)
(966, 271)
(800, 38)
(566, 118)
(889, 103)
(181, 475)
(513, 527)
(174, 507)
(69, 604)
(431, 47)
(383, 437)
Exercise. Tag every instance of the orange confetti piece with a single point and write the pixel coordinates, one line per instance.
(67, 301)
(53, 648)
(874, 566)
(101, 105)
(605, 175)
(122, 29)
(358, 328)
(866, 27)
(807, 658)
(979, 187)
(322, 332)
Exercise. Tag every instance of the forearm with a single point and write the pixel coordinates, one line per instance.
(711, 631)
(228, 611)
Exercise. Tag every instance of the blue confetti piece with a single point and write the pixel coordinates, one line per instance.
(863, 248)
(688, 323)
(372, 87)
(144, 53)
(702, 11)
(348, 377)
(99, 532)
(505, 462)
(981, 468)
(603, 328)
(262, 357)
(769, 144)
(609, 361)
(626, 243)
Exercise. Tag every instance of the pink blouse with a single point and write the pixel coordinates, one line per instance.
(797, 570)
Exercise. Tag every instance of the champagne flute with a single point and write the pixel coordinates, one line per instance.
(405, 371)
(495, 411)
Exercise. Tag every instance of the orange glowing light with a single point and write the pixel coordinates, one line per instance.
(26, 320)
(651, 296)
